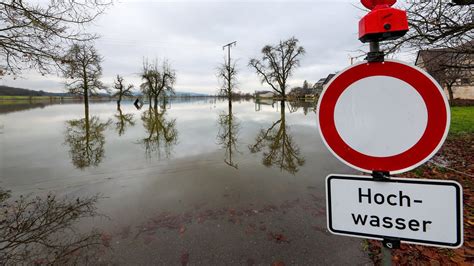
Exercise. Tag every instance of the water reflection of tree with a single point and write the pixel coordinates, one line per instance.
(86, 140)
(123, 121)
(41, 230)
(162, 134)
(228, 135)
(281, 150)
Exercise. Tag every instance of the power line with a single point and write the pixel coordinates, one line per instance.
(229, 78)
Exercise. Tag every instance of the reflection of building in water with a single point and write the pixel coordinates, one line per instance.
(307, 106)
(293, 106)
(259, 102)
(278, 146)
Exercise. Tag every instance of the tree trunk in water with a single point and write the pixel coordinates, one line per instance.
(282, 111)
(283, 91)
(149, 99)
(86, 114)
(118, 101)
(86, 104)
(156, 103)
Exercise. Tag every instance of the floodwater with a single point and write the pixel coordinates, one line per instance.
(194, 181)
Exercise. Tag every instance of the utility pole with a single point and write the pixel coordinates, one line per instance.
(352, 59)
(229, 78)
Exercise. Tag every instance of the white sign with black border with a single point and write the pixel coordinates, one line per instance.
(417, 211)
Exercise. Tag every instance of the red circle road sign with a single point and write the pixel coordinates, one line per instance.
(386, 116)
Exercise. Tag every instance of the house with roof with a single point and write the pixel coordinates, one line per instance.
(264, 94)
(451, 68)
(319, 86)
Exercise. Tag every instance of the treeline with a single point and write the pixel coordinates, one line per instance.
(12, 91)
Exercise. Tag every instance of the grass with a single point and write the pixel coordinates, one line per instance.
(462, 120)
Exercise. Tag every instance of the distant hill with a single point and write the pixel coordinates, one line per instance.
(189, 94)
(179, 94)
(11, 91)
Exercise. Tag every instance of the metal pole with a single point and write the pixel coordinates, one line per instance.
(374, 47)
(228, 74)
(375, 55)
(380, 176)
(386, 256)
(228, 66)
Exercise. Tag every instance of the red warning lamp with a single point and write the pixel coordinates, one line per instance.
(383, 22)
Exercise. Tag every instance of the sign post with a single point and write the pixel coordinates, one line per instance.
(385, 117)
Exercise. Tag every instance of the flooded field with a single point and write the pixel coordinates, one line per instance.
(194, 181)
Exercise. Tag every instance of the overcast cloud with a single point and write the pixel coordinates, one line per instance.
(190, 34)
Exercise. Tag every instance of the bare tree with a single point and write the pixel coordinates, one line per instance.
(35, 34)
(277, 64)
(437, 24)
(157, 79)
(122, 89)
(227, 74)
(82, 68)
(41, 230)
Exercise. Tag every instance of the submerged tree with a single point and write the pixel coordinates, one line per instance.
(86, 140)
(162, 134)
(281, 149)
(157, 80)
(83, 70)
(278, 63)
(35, 35)
(228, 135)
(122, 90)
(42, 230)
(228, 76)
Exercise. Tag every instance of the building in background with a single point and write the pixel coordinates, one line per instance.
(452, 68)
(319, 86)
(264, 94)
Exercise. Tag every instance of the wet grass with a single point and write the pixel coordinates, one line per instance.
(462, 120)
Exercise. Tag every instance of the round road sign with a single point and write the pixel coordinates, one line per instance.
(386, 116)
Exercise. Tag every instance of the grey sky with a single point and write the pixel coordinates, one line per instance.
(191, 34)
